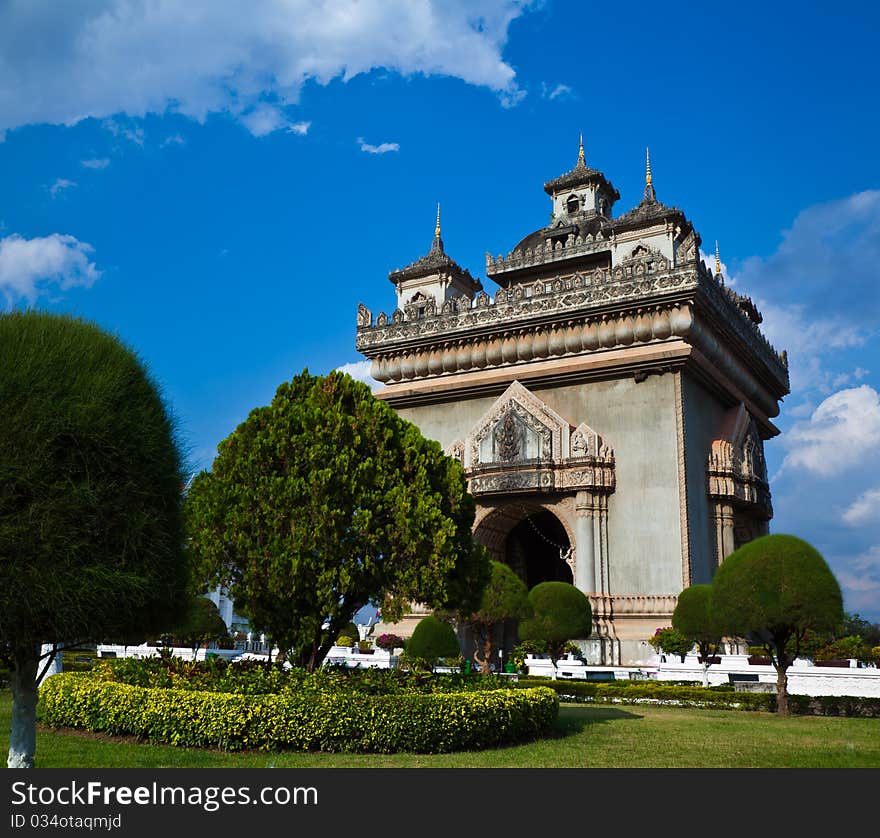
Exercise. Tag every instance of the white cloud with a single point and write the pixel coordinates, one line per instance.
(827, 261)
(174, 139)
(859, 579)
(127, 130)
(28, 267)
(382, 148)
(560, 91)
(865, 509)
(60, 185)
(264, 119)
(301, 128)
(360, 371)
(61, 63)
(96, 163)
(809, 338)
(843, 431)
(829, 257)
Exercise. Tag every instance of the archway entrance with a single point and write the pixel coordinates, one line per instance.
(531, 539)
(536, 547)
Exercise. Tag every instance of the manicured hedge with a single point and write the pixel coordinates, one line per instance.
(641, 692)
(256, 678)
(420, 723)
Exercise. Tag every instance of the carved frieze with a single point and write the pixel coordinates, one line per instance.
(469, 331)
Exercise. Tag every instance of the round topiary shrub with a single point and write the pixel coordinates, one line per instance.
(560, 613)
(432, 639)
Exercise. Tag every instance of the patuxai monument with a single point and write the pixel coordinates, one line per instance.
(609, 403)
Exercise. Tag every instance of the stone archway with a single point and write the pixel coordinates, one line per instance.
(533, 537)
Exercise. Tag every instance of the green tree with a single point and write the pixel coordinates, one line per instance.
(773, 591)
(854, 624)
(845, 648)
(695, 619)
(560, 613)
(431, 639)
(505, 598)
(671, 641)
(326, 499)
(201, 624)
(91, 537)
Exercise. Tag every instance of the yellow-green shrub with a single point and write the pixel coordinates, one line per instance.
(421, 723)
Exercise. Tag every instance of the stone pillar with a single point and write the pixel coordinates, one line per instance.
(585, 576)
(724, 541)
(727, 530)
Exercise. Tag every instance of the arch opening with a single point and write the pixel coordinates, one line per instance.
(531, 539)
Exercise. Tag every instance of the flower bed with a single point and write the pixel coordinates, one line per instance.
(300, 720)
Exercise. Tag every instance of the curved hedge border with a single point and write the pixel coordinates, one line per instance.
(419, 723)
(640, 692)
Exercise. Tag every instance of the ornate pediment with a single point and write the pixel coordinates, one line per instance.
(519, 427)
(521, 444)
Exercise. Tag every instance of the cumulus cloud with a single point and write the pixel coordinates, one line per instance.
(96, 163)
(865, 509)
(843, 431)
(810, 337)
(829, 257)
(827, 262)
(60, 185)
(360, 371)
(382, 148)
(60, 63)
(29, 267)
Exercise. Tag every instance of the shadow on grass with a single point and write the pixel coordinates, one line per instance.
(573, 720)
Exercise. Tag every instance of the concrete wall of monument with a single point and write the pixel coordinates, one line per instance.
(702, 415)
(639, 421)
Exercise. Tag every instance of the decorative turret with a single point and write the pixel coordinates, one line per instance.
(654, 226)
(434, 278)
(582, 190)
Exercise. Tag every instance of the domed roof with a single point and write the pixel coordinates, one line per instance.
(578, 224)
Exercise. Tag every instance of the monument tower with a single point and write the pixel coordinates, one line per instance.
(609, 403)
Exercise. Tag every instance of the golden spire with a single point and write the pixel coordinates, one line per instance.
(437, 228)
(581, 161)
(717, 259)
(648, 167)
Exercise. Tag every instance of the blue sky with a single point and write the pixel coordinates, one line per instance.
(221, 184)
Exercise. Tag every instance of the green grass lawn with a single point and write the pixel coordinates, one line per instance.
(585, 736)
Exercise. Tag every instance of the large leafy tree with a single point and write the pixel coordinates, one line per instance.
(506, 597)
(326, 499)
(91, 535)
(694, 617)
(560, 612)
(775, 590)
